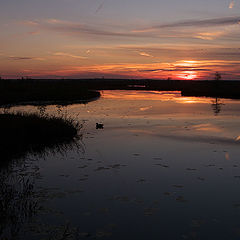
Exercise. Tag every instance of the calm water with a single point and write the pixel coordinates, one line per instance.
(163, 167)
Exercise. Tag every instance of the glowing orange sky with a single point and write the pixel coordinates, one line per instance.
(83, 39)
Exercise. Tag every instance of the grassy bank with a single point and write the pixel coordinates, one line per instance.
(14, 92)
(23, 133)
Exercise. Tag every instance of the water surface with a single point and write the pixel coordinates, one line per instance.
(163, 167)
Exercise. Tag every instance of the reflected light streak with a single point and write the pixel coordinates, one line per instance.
(238, 138)
(189, 100)
(227, 156)
(141, 95)
(208, 127)
(174, 96)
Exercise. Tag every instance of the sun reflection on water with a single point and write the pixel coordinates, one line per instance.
(174, 96)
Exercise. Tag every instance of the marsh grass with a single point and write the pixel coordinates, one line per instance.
(17, 203)
(22, 133)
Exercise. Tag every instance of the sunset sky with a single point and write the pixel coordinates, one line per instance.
(181, 39)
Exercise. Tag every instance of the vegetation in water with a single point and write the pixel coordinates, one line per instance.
(23, 133)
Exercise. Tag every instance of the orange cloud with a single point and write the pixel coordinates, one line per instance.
(145, 54)
(209, 35)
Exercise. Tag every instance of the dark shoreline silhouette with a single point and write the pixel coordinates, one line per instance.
(32, 92)
(83, 90)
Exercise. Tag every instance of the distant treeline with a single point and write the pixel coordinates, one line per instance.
(70, 88)
(39, 92)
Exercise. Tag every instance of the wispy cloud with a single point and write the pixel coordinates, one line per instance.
(188, 29)
(214, 22)
(179, 52)
(80, 28)
(85, 30)
(16, 58)
(63, 54)
(145, 54)
(210, 35)
(30, 23)
(176, 69)
(20, 58)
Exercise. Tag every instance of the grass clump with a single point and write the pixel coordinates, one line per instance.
(23, 133)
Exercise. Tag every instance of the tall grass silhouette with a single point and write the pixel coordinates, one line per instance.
(23, 133)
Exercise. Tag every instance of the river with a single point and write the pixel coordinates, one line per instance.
(163, 167)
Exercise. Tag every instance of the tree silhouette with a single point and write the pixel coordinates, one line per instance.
(218, 76)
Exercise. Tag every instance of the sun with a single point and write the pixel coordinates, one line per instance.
(188, 69)
(188, 75)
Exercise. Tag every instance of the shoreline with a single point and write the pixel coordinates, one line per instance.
(30, 133)
(49, 103)
(70, 90)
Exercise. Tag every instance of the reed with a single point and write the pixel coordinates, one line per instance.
(23, 133)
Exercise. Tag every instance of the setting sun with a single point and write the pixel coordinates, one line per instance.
(188, 75)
